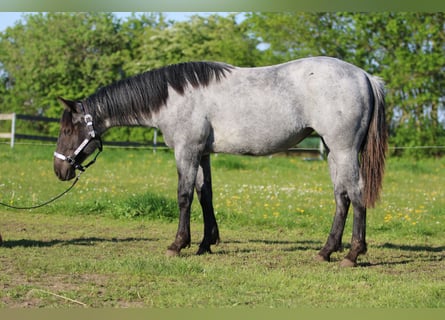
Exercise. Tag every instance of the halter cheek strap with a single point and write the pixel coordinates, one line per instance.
(89, 121)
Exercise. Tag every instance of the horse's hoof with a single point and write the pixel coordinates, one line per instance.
(346, 263)
(320, 258)
(202, 251)
(171, 253)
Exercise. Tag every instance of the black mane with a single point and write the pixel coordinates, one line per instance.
(131, 96)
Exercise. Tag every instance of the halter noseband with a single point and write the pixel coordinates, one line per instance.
(91, 136)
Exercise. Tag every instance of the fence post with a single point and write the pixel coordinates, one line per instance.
(322, 150)
(13, 130)
(155, 138)
(11, 136)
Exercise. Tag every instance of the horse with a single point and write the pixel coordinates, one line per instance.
(205, 107)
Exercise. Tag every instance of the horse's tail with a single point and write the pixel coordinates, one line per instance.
(375, 146)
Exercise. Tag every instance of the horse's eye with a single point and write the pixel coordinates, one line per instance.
(67, 131)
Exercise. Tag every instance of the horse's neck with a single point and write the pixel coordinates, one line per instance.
(107, 119)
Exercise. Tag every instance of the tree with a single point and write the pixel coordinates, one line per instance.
(407, 51)
(293, 35)
(201, 38)
(58, 54)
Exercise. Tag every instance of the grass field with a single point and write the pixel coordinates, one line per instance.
(103, 244)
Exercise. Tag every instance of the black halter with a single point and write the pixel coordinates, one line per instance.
(91, 136)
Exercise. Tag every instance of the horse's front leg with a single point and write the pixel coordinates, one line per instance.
(204, 190)
(187, 164)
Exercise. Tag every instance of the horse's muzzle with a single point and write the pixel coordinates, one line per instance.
(63, 170)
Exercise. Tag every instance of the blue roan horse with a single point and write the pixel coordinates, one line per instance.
(208, 107)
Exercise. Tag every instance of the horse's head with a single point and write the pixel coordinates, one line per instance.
(77, 140)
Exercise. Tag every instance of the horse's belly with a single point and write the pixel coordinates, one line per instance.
(255, 142)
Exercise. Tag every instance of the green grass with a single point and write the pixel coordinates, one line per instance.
(103, 244)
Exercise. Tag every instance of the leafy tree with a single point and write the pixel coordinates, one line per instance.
(292, 35)
(407, 51)
(67, 54)
(201, 38)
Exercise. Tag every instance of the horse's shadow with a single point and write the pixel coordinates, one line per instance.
(412, 248)
(424, 254)
(433, 254)
(405, 255)
(88, 241)
(243, 246)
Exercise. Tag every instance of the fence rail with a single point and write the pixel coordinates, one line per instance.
(12, 135)
(318, 153)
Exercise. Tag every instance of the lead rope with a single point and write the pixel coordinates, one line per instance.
(45, 203)
(81, 170)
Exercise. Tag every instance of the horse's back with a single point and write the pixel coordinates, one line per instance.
(265, 110)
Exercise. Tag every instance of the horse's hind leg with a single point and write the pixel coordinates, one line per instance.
(358, 241)
(347, 189)
(342, 202)
(203, 187)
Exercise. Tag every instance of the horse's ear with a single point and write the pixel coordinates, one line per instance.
(73, 107)
(69, 105)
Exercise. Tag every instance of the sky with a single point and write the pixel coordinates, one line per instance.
(8, 19)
